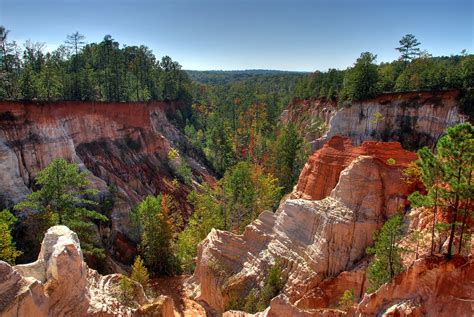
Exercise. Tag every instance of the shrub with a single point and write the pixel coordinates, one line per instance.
(347, 300)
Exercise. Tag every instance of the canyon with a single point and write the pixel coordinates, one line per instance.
(124, 146)
(350, 185)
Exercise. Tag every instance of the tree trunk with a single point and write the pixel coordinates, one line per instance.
(434, 222)
(466, 212)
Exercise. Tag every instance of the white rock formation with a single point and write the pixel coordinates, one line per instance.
(59, 283)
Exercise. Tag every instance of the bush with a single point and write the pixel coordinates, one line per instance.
(127, 293)
(347, 300)
(274, 283)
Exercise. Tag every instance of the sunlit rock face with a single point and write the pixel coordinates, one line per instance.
(323, 168)
(124, 145)
(59, 283)
(313, 238)
(433, 286)
(414, 119)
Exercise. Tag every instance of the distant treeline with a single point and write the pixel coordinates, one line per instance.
(94, 72)
(221, 77)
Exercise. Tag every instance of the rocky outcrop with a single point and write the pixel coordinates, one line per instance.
(433, 286)
(59, 283)
(123, 145)
(312, 239)
(412, 118)
(322, 170)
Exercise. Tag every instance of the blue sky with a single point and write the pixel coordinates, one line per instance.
(251, 34)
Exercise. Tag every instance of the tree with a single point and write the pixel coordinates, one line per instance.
(246, 192)
(456, 152)
(75, 41)
(409, 48)
(140, 273)
(207, 215)
(287, 146)
(361, 81)
(155, 235)
(431, 174)
(8, 251)
(387, 261)
(239, 197)
(61, 200)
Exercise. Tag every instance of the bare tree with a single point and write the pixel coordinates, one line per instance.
(75, 41)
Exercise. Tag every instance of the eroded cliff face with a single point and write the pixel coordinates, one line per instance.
(59, 283)
(323, 168)
(414, 118)
(314, 239)
(433, 286)
(121, 144)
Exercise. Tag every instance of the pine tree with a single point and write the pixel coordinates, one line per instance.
(409, 48)
(431, 174)
(61, 200)
(287, 146)
(387, 261)
(156, 235)
(456, 152)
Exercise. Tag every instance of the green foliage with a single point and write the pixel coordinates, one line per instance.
(361, 81)
(8, 251)
(456, 153)
(287, 146)
(246, 192)
(320, 85)
(239, 197)
(207, 215)
(140, 273)
(61, 199)
(347, 300)
(387, 261)
(447, 177)
(156, 235)
(409, 47)
(273, 285)
(97, 71)
(127, 292)
(181, 168)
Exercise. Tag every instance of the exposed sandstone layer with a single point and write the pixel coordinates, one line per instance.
(121, 144)
(433, 286)
(59, 283)
(411, 118)
(323, 168)
(313, 239)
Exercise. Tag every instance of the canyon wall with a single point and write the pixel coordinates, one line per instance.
(313, 238)
(123, 145)
(412, 118)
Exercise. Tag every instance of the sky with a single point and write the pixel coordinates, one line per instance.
(293, 35)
